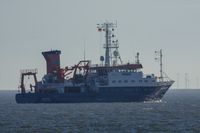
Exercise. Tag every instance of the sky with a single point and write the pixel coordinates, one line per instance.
(28, 27)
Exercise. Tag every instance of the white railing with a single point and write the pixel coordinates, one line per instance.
(28, 71)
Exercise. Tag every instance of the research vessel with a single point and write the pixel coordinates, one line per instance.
(110, 81)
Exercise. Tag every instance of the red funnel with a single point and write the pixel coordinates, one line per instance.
(52, 60)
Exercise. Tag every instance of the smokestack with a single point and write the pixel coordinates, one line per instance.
(52, 60)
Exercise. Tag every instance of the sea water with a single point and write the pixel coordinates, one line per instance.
(178, 112)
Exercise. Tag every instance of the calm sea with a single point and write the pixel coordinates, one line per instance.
(178, 112)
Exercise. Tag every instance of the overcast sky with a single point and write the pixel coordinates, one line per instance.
(28, 27)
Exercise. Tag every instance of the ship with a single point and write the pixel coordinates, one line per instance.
(109, 81)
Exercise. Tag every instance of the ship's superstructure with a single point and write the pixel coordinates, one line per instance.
(110, 81)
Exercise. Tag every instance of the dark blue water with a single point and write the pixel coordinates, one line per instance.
(179, 112)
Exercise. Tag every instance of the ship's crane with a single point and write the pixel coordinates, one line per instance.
(28, 72)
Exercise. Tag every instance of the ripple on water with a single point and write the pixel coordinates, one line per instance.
(176, 113)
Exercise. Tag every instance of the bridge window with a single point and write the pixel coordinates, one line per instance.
(149, 76)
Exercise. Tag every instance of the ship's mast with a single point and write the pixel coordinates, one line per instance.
(137, 58)
(110, 43)
(161, 64)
